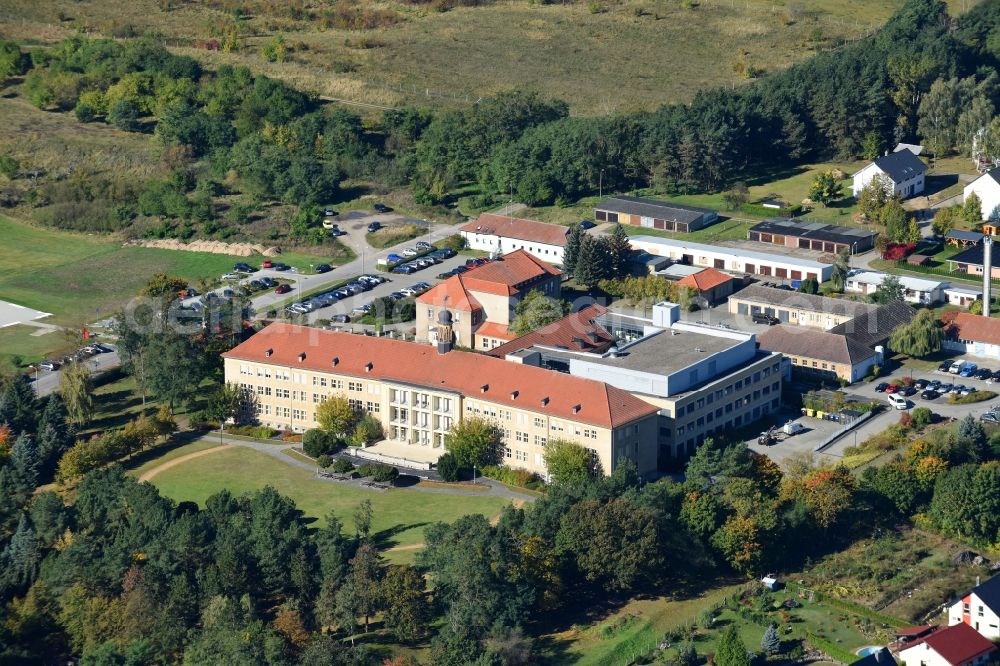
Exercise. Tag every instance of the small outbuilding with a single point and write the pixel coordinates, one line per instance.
(771, 582)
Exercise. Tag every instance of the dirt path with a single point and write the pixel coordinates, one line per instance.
(409, 546)
(149, 474)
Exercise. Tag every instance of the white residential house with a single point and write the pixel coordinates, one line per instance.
(987, 187)
(980, 609)
(916, 290)
(958, 645)
(963, 297)
(902, 171)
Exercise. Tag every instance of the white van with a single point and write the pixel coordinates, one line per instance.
(898, 401)
(956, 367)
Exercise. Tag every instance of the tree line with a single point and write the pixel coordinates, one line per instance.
(923, 75)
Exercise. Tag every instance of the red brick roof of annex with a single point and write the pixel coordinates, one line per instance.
(957, 644)
(474, 375)
(505, 276)
(976, 328)
(577, 332)
(519, 228)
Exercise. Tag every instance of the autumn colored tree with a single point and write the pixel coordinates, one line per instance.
(829, 493)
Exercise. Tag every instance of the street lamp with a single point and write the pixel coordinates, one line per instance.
(600, 186)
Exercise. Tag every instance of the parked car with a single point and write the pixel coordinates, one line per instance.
(995, 377)
(340, 319)
(587, 224)
(968, 370)
(244, 267)
(945, 388)
(267, 263)
(989, 417)
(231, 276)
(342, 293)
(934, 385)
(337, 232)
(906, 391)
(424, 245)
(323, 268)
(881, 388)
(445, 275)
(268, 282)
(983, 374)
(944, 367)
(966, 391)
(410, 252)
(930, 395)
(393, 258)
(280, 266)
(405, 269)
(764, 318)
(376, 279)
(283, 289)
(396, 295)
(444, 253)
(892, 388)
(374, 226)
(381, 208)
(956, 367)
(329, 212)
(329, 224)
(957, 389)
(361, 310)
(921, 384)
(898, 402)
(48, 365)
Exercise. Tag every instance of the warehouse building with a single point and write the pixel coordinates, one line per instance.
(654, 214)
(733, 259)
(915, 290)
(817, 236)
(796, 308)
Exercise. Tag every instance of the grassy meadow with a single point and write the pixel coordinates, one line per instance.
(582, 52)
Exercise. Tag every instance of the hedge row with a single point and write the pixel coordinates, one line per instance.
(832, 650)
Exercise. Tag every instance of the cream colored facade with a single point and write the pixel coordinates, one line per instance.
(790, 314)
(286, 398)
(463, 324)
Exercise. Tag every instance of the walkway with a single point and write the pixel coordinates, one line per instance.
(149, 474)
(278, 451)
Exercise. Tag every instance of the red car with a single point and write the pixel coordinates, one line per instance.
(283, 289)
(892, 388)
(267, 263)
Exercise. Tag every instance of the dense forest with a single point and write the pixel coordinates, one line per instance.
(923, 76)
(113, 573)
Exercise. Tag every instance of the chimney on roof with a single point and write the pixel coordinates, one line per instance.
(369, 366)
(513, 395)
(302, 356)
(576, 409)
(484, 388)
(545, 401)
(887, 152)
(268, 352)
(335, 361)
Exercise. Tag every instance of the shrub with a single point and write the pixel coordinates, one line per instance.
(975, 396)
(448, 467)
(317, 442)
(380, 472)
(455, 242)
(289, 436)
(921, 417)
(324, 461)
(342, 466)
(521, 478)
(368, 430)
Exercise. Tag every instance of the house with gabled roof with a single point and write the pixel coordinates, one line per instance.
(501, 234)
(987, 188)
(979, 608)
(957, 645)
(709, 285)
(902, 172)
(481, 301)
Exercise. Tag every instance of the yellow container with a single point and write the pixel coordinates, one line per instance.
(810, 411)
(819, 414)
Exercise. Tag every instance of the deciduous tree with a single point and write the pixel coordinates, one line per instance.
(568, 464)
(919, 338)
(474, 441)
(536, 310)
(336, 415)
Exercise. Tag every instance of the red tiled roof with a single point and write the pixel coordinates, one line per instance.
(503, 277)
(494, 330)
(576, 332)
(957, 644)
(976, 328)
(451, 294)
(513, 227)
(474, 375)
(705, 280)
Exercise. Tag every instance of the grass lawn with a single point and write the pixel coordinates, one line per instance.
(400, 515)
(18, 347)
(393, 234)
(79, 277)
(153, 458)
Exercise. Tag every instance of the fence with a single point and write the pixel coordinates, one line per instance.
(830, 439)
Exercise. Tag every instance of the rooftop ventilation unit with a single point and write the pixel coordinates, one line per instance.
(369, 366)
(484, 388)
(335, 361)
(302, 356)
(268, 352)
(514, 394)
(545, 401)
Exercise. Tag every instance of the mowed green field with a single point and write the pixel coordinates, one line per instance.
(79, 277)
(400, 516)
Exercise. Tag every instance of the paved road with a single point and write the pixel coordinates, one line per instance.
(47, 382)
